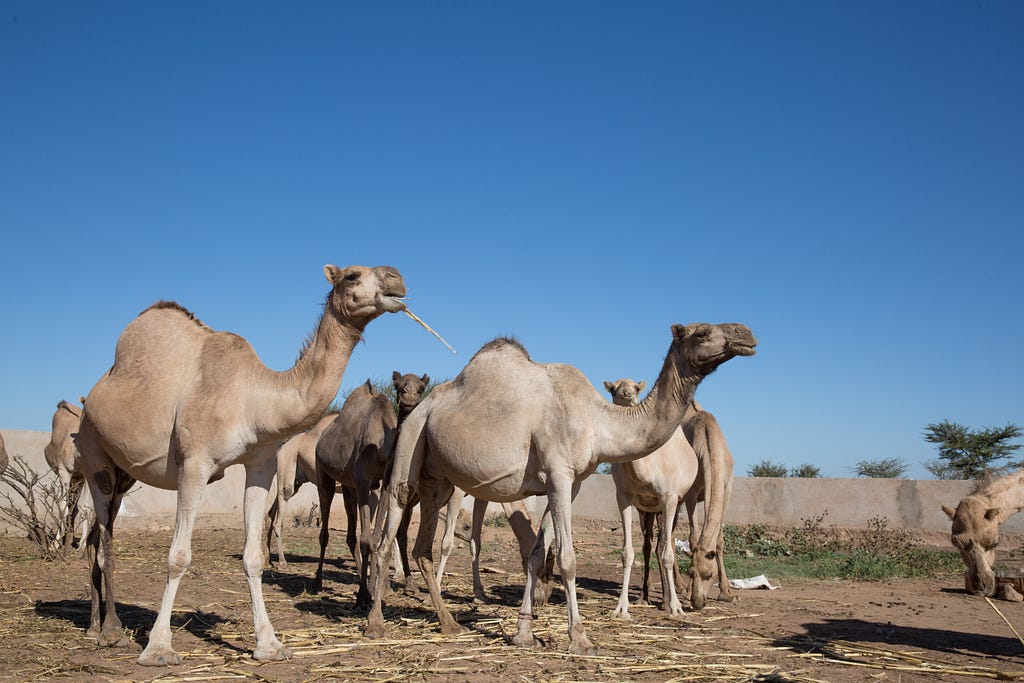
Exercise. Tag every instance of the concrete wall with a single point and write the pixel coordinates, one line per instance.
(784, 502)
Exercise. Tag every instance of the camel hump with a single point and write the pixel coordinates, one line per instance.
(165, 305)
(502, 343)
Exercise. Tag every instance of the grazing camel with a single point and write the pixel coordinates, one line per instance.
(975, 531)
(508, 427)
(518, 519)
(62, 457)
(703, 454)
(181, 403)
(355, 451)
(296, 465)
(5, 460)
(654, 484)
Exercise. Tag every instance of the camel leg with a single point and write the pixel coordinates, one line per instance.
(519, 520)
(725, 593)
(479, 510)
(325, 487)
(667, 558)
(392, 509)
(621, 610)
(433, 494)
(350, 500)
(451, 521)
(258, 474)
(402, 546)
(367, 502)
(647, 532)
(192, 478)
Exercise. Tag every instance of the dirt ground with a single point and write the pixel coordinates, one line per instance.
(920, 630)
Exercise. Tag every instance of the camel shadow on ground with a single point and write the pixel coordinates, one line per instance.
(137, 621)
(820, 635)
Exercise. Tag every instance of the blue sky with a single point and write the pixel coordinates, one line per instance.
(847, 179)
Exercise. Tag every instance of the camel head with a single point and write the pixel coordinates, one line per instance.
(625, 392)
(705, 346)
(409, 390)
(975, 534)
(360, 294)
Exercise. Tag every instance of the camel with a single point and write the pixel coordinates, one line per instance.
(181, 403)
(355, 451)
(518, 519)
(654, 484)
(296, 465)
(507, 427)
(975, 531)
(694, 461)
(62, 457)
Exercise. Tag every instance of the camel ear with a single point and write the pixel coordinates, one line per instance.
(950, 512)
(991, 513)
(679, 332)
(332, 273)
(395, 375)
(640, 386)
(609, 387)
(425, 379)
(81, 399)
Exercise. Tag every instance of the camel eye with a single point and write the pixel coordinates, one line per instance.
(352, 277)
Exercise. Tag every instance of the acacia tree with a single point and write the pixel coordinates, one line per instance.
(766, 468)
(805, 471)
(968, 454)
(886, 468)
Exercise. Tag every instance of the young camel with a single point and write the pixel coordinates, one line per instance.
(62, 457)
(654, 484)
(182, 403)
(701, 453)
(508, 427)
(355, 451)
(518, 519)
(296, 465)
(975, 531)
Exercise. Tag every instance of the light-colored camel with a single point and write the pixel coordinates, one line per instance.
(182, 403)
(355, 451)
(703, 472)
(975, 531)
(62, 457)
(654, 484)
(296, 465)
(518, 520)
(5, 459)
(508, 427)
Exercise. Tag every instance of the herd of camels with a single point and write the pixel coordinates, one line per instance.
(182, 402)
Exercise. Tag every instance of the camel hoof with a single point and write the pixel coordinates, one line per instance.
(453, 629)
(527, 640)
(621, 614)
(273, 652)
(585, 648)
(113, 638)
(477, 600)
(317, 586)
(93, 631)
(159, 656)
(375, 631)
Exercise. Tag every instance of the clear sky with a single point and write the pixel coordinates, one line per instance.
(845, 178)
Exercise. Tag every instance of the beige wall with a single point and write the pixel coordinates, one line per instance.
(849, 502)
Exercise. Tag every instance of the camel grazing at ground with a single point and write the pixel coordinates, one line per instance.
(62, 457)
(181, 403)
(975, 531)
(507, 427)
(702, 454)
(519, 521)
(355, 451)
(5, 459)
(296, 465)
(655, 484)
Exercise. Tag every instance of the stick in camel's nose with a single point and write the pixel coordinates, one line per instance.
(428, 328)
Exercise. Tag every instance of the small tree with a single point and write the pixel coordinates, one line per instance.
(887, 468)
(969, 454)
(805, 471)
(766, 468)
(33, 503)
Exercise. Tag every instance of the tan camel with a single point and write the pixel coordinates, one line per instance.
(5, 459)
(62, 457)
(296, 465)
(519, 521)
(654, 484)
(701, 453)
(508, 427)
(355, 451)
(182, 403)
(975, 531)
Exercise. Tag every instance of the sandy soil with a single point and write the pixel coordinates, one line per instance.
(921, 630)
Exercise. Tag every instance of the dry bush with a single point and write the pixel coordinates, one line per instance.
(39, 505)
